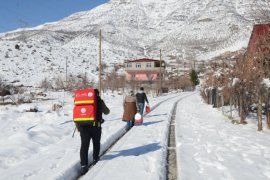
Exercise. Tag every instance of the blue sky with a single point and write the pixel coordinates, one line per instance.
(29, 13)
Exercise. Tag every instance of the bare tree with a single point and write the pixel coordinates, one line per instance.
(59, 83)
(150, 78)
(258, 56)
(45, 84)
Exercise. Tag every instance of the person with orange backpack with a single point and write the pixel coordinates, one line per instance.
(87, 116)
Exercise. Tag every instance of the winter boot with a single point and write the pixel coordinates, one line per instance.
(84, 170)
(95, 161)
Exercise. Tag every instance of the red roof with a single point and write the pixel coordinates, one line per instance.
(143, 60)
(142, 71)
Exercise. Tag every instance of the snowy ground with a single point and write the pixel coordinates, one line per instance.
(210, 147)
(40, 145)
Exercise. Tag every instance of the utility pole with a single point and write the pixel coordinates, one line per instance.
(66, 69)
(178, 74)
(160, 75)
(66, 83)
(100, 66)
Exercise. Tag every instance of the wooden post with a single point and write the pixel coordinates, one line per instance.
(160, 76)
(217, 98)
(259, 113)
(231, 105)
(100, 66)
(66, 69)
(267, 110)
(222, 103)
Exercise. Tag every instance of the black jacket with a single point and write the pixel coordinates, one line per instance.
(101, 108)
(141, 97)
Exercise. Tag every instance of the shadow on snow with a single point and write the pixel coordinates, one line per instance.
(137, 151)
(156, 115)
(150, 123)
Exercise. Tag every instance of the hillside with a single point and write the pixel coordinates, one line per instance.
(131, 29)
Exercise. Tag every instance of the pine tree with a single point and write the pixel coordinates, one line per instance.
(194, 77)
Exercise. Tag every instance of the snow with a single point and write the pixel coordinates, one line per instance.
(196, 30)
(141, 154)
(211, 147)
(266, 82)
(40, 145)
(235, 81)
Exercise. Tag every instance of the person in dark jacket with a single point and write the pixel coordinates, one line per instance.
(92, 131)
(130, 109)
(141, 99)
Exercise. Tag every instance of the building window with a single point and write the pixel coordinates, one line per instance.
(129, 65)
(138, 65)
(148, 65)
(157, 64)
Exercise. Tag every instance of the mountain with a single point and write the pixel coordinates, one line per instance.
(186, 29)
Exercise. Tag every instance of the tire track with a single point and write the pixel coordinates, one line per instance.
(171, 165)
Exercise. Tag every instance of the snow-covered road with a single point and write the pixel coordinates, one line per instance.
(39, 145)
(142, 152)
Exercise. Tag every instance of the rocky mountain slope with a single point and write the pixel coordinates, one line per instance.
(186, 29)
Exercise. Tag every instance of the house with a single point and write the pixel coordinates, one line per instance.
(260, 39)
(144, 69)
(259, 46)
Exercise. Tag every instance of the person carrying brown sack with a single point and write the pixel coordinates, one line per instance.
(130, 109)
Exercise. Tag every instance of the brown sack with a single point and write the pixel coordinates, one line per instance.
(130, 110)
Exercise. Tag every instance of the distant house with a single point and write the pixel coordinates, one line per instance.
(260, 40)
(143, 69)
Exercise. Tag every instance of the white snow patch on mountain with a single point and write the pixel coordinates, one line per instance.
(131, 29)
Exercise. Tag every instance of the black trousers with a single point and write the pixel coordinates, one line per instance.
(87, 133)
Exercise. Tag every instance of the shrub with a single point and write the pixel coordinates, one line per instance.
(45, 84)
